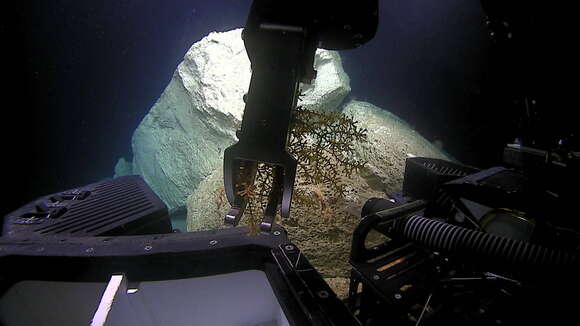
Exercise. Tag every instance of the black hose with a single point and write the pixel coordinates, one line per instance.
(446, 237)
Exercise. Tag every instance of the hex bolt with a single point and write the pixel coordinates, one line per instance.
(213, 242)
(148, 247)
(322, 294)
(289, 247)
(398, 296)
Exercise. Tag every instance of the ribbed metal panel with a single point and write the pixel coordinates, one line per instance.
(109, 208)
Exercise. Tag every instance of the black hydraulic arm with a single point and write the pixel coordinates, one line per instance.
(281, 38)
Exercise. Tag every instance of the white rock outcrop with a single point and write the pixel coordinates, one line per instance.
(182, 138)
(390, 142)
(123, 168)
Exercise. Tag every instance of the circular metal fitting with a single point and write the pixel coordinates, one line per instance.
(322, 294)
(398, 296)
(213, 242)
(376, 277)
(89, 250)
(289, 247)
(148, 247)
(276, 232)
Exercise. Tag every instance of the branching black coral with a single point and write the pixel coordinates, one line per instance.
(323, 143)
(256, 196)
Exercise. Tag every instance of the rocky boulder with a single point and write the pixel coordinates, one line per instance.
(123, 168)
(181, 140)
(390, 142)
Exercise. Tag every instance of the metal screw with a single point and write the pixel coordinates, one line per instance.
(148, 247)
(213, 242)
(322, 294)
(376, 277)
(89, 250)
(276, 232)
(289, 247)
(398, 296)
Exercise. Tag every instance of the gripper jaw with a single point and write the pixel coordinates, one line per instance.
(240, 166)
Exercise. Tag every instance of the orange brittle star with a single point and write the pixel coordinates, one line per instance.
(247, 191)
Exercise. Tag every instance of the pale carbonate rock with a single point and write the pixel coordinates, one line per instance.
(182, 138)
(123, 168)
(331, 85)
(390, 142)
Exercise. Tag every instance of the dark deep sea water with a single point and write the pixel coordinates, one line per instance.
(82, 74)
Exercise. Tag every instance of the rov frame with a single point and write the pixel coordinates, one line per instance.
(303, 295)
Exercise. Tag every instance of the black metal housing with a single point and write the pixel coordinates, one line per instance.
(424, 175)
(121, 206)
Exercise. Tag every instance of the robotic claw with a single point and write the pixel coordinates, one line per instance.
(281, 39)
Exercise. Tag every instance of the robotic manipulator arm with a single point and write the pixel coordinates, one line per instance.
(281, 38)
